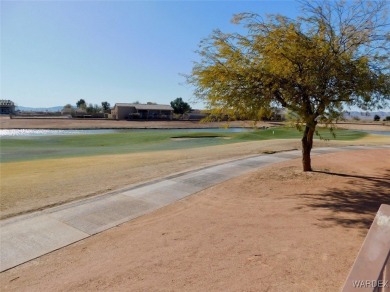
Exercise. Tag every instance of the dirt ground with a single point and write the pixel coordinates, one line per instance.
(42, 123)
(33, 123)
(379, 126)
(275, 229)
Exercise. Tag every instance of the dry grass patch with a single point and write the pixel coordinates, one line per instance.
(33, 185)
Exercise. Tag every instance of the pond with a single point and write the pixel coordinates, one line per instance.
(386, 133)
(13, 133)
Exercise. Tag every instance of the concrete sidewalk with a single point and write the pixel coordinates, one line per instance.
(26, 237)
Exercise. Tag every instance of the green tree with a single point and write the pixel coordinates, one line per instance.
(180, 106)
(93, 109)
(377, 118)
(336, 55)
(106, 105)
(81, 104)
(68, 108)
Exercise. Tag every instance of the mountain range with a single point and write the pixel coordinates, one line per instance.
(39, 109)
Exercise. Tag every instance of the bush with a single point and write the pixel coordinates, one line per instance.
(134, 116)
(377, 118)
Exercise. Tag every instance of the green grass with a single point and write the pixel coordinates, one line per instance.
(33, 148)
(292, 133)
(201, 135)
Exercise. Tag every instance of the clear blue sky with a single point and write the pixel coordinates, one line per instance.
(56, 52)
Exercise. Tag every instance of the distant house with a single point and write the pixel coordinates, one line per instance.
(132, 111)
(7, 107)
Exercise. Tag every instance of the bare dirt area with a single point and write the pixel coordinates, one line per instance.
(379, 126)
(275, 229)
(56, 123)
(50, 123)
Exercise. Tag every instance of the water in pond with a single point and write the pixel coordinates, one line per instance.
(9, 133)
(386, 133)
(38, 132)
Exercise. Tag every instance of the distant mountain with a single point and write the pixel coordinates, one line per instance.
(39, 109)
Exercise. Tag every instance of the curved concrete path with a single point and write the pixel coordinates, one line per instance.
(26, 237)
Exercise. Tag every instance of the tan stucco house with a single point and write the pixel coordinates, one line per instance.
(131, 111)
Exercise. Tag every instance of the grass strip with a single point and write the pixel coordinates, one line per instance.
(35, 148)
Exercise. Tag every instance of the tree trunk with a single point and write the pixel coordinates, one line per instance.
(307, 144)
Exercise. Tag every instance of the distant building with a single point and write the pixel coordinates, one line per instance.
(132, 111)
(7, 107)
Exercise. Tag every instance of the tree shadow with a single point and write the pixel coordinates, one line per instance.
(353, 207)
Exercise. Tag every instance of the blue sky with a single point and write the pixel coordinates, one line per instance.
(56, 52)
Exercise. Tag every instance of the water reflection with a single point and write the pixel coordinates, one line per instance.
(4, 133)
(37, 132)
